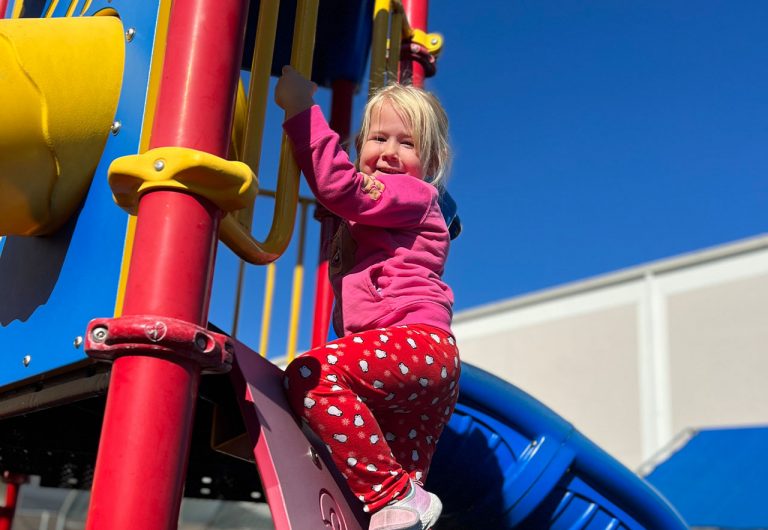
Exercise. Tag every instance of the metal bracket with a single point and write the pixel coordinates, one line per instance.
(109, 338)
(413, 51)
(432, 42)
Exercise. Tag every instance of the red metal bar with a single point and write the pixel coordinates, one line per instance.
(416, 11)
(13, 484)
(7, 512)
(341, 119)
(145, 437)
(3, 8)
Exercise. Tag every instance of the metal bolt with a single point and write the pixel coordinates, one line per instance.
(130, 34)
(78, 342)
(99, 334)
(315, 457)
(201, 342)
(159, 164)
(434, 41)
(26, 360)
(116, 125)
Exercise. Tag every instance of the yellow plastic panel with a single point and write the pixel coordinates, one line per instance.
(59, 90)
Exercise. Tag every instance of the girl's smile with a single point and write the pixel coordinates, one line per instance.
(390, 147)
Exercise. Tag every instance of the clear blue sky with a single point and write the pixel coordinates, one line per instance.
(591, 136)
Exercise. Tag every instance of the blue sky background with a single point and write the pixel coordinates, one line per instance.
(589, 136)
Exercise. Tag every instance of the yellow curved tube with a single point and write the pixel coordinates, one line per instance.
(263, 51)
(233, 234)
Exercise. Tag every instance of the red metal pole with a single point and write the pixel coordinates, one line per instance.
(13, 484)
(145, 437)
(3, 8)
(341, 118)
(7, 512)
(416, 11)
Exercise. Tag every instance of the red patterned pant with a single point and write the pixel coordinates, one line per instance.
(379, 400)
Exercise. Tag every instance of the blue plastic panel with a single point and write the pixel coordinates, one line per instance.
(50, 287)
(507, 461)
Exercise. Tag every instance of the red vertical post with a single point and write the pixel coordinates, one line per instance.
(341, 119)
(145, 438)
(3, 8)
(13, 484)
(416, 11)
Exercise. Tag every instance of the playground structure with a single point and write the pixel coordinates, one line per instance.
(178, 402)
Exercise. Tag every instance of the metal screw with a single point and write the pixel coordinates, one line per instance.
(159, 164)
(130, 34)
(78, 342)
(315, 457)
(434, 41)
(26, 360)
(116, 125)
(99, 334)
(201, 342)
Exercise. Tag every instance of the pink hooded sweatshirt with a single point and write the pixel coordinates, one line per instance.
(387, 258)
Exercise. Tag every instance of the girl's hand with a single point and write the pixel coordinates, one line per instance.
(294, 92)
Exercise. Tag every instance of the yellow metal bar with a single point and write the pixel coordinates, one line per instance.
(51, 9)
(238, 297)
(395, 40)
(381, 11)
(72, 7)
(293, 330)
(266, 315)
(298, 283)
(258, 93)
(233, 234)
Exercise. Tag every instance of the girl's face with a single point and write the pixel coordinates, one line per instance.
(389, 146)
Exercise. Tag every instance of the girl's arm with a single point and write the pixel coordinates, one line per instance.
(389, 200)
(395, 201)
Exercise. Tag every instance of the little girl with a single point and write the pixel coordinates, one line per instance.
(380, 396)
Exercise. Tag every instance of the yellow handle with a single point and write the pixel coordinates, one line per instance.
(233, 234)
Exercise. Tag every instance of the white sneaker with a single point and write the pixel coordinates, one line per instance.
(419, 510)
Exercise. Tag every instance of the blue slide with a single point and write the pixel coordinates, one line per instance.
(507, 461)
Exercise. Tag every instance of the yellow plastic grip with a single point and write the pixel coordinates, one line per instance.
(230, 185)
(59, 87)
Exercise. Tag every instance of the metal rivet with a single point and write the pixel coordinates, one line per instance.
(26, 360)
(201, 342)
(130, 34)
(315, 457)
(99, 334)
(116, 125)
(434, 41)
(159, 164)
(78, 342)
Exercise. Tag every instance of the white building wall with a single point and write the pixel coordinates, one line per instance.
(634, 358)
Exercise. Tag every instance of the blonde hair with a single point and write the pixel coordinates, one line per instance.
(427, 120)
